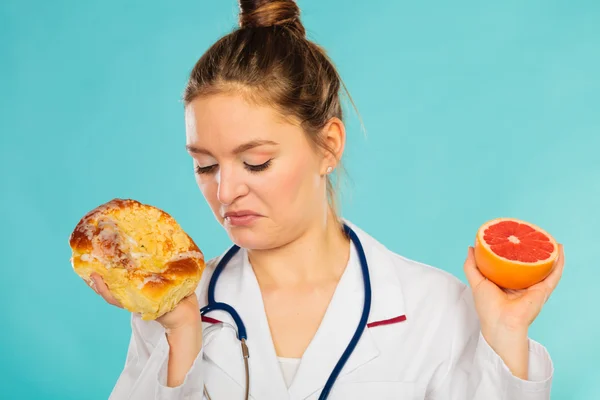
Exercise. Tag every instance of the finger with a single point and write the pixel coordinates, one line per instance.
(91, 284)
(554, 277)
(103, 290)
(551, 281)
(473, 274)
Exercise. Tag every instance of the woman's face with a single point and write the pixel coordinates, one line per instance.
(264, 181)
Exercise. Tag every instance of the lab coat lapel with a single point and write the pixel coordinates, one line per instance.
(238, 287)
(220, 342)
(335, 332)
(343, 315)
(387, 299)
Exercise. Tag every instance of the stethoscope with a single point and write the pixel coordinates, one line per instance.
(241, 328)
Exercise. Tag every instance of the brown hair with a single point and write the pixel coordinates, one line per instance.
(270, 61)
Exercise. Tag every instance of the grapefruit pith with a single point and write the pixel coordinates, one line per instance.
(514, 254)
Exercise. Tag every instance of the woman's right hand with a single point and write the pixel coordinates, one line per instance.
(185, 314)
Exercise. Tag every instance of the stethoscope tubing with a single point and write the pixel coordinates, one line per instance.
(241, 328)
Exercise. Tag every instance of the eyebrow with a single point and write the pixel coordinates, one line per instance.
(240, 149)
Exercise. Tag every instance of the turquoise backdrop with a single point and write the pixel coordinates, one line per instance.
(472, 110)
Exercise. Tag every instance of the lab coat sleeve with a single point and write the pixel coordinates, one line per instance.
(474, 371)
(144, 375)
(191, 388)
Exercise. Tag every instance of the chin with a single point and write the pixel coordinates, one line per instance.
(248, 239)
(252, 237)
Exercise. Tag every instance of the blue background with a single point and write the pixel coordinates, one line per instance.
(473, 110)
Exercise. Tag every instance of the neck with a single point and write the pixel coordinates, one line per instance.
(320, 255)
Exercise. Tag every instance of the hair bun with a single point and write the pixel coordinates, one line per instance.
(263, 13)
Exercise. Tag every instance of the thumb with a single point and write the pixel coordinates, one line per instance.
(534, 302)
(472, 273)
(536, 297)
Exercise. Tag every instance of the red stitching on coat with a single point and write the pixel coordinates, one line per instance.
(210, 320)
(387, 321)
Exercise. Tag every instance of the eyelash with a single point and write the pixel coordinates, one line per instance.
(251, 168)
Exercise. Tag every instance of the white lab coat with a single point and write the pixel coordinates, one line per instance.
(423, 342)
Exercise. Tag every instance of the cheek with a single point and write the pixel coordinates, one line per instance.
(209, 189)
(290, 184)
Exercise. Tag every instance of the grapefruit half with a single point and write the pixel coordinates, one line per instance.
(514, 254)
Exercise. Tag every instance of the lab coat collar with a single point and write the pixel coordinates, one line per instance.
(387, 299)
(238, 287)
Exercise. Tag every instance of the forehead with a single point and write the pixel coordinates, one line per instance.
(229, 120)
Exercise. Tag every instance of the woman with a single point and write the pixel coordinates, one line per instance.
(264, 128)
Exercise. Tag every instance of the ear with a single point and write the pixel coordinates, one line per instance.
(334, 138)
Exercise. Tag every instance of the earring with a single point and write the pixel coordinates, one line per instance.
(329, 169)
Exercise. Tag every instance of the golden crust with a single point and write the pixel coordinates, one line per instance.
(143, 255)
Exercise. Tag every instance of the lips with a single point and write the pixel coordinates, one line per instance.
(241, 218)
(237, 214)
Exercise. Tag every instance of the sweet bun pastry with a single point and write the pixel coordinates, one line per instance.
(145, 258)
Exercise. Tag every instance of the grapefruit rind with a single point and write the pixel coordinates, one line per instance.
(512, 274)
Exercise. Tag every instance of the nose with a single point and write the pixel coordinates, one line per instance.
(230, 185)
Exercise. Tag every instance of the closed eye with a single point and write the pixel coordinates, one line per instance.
(205, 170)
(250, 167)
(258, 168)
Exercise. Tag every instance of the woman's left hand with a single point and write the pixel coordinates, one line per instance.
(505, 315)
